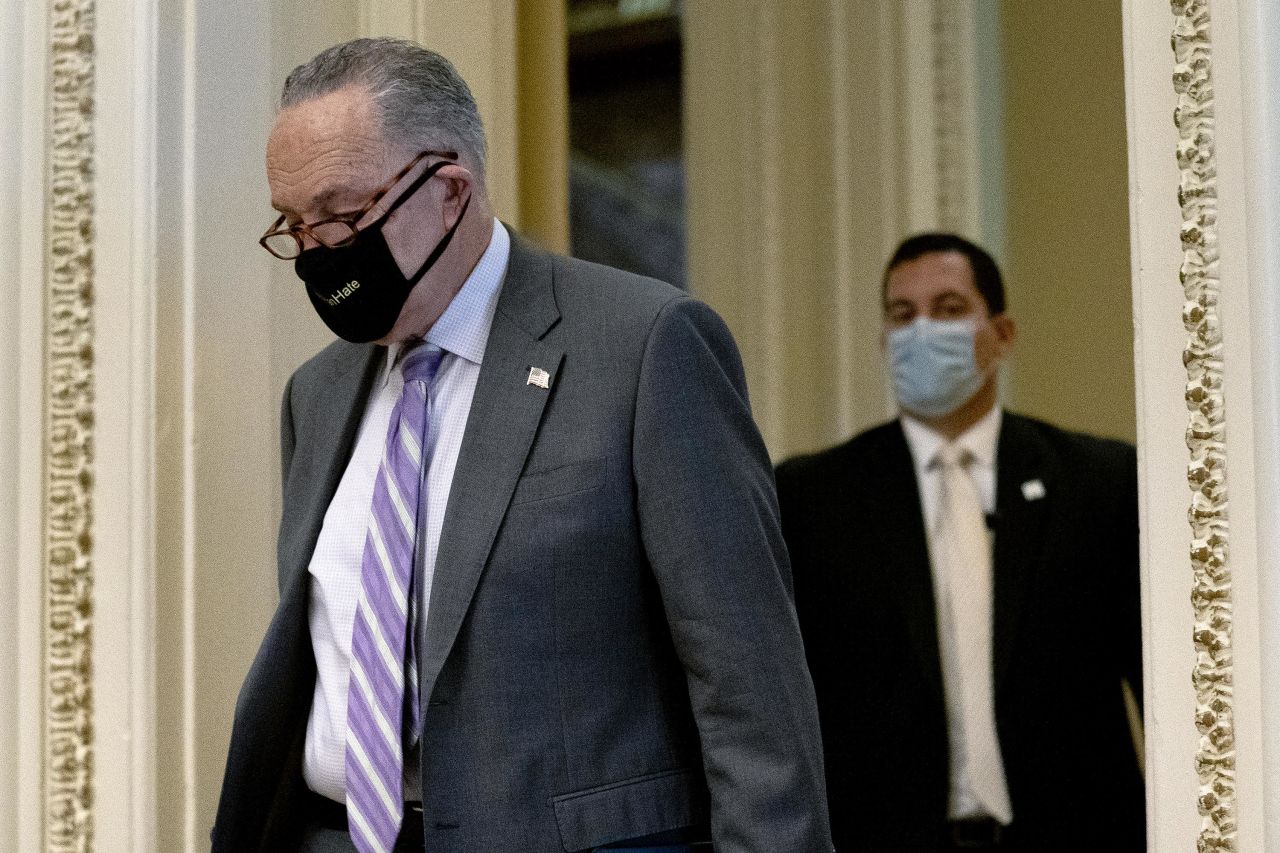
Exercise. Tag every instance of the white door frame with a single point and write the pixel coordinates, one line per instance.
(1203, 202)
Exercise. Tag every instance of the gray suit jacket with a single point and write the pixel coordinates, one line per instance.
(611, 649)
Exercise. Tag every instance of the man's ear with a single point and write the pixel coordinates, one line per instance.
(458, 185)
(1006, 331)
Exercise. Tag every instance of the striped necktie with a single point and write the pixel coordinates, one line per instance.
(380, 711)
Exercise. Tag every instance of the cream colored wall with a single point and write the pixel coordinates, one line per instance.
(21, 343)
(215, 439)
(1260, 76)
(818, 138)
(790, 164)
(1067, 241)
(818, 135)
(10, 195)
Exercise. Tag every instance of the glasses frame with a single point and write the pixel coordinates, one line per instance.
(299, 230)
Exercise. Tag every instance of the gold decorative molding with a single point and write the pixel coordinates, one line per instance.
(950, 116)
(69, 424)
(1206, 431)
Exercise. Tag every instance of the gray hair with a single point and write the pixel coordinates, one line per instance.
(420, 97)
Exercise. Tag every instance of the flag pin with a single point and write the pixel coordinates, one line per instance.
(1033, 490)
(539, 377)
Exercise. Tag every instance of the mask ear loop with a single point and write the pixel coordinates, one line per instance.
(427, 175)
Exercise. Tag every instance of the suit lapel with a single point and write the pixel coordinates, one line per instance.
(326, 432)
(504, 417)
(1024, 493)
(895, 512)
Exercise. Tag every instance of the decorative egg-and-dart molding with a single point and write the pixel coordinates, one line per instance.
(1206, 430)
(68, 432)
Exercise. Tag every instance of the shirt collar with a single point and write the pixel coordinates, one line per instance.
(463, 328)
(980, 440)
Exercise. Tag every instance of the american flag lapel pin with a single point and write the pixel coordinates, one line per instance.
(539, 377)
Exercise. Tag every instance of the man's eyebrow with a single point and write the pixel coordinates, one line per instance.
(322, 199)
(326, 196)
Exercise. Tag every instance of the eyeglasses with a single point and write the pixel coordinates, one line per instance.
(286, 243)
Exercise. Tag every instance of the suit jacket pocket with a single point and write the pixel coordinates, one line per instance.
(561, 480)
(632, 808)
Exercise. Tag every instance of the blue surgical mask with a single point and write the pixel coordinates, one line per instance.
(935, 371)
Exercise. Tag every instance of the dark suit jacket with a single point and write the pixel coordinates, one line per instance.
(611, 650)
(1067, 629)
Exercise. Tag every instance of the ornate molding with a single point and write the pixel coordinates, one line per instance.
(1206, 431)
(950, 117)
(953, 47)
(69, 424)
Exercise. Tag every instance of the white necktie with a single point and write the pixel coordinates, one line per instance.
(962, 555)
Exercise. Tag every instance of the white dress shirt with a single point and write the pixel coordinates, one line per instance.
(461, 332)
(980, 441)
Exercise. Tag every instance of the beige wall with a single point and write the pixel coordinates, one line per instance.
(790, 146)
(806, 166)
(1067, 243)
(10, 195)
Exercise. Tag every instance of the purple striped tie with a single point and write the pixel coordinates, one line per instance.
(377, 716)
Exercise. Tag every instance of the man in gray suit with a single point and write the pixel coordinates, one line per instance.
(533, 595)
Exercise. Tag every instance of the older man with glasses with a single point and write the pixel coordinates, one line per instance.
(533, 593)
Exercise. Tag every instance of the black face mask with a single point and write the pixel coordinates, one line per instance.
(358, 289)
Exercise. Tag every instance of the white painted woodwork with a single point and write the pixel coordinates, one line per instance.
(1254, 32)
(22, 157)
(1168, 656)
(11, 124)
(125, 689)
(1242, 65)
(1258, 34)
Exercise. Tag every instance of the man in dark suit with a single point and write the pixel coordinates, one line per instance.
(967, 586)
(532, 487)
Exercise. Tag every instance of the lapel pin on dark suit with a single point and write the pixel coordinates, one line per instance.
(539, 377)
(1033, 490)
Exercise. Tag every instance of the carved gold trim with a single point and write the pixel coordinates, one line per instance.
(949, 118)
(69, 423)
(1206, 431)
